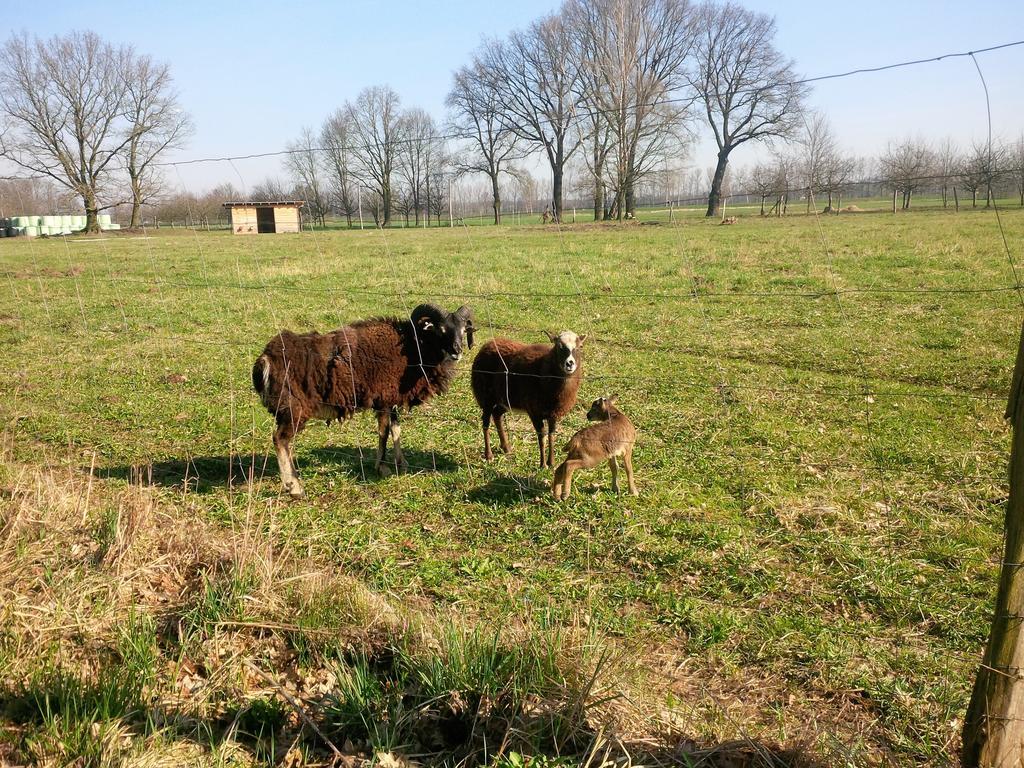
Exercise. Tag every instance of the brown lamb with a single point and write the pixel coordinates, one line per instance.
(613, 435)
(382, 364)
(539, 379)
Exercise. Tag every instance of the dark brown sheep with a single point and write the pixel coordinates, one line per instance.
(613, 435)
(384, 364)
(539, 379)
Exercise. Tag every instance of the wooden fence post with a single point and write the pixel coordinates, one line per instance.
(993, 734)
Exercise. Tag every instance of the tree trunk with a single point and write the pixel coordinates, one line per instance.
(386, 202)
(762, 204)
(894, 200)
(956, 200)
(993, 733)
(92, 223)
(556, 192)
(715, 196)
(630, 200)
(496, 195)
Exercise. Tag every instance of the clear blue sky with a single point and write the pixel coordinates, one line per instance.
(252, 74)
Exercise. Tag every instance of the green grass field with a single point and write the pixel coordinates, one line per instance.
(812, 558)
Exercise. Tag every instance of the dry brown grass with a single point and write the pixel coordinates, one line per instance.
(240, 620)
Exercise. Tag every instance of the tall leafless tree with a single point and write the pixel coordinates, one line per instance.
(336, 137)
(64, 103)
(825, 168)
(420, 148)
(304, 163)
(376, 129)
(536, 84)
(746, 85)
(631, 57)
(156, 124)
(476, 115)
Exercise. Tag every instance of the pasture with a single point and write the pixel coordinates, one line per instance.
(821, 460)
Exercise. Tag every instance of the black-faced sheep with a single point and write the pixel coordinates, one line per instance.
(384, 364)
(539, 379)
(613, 435)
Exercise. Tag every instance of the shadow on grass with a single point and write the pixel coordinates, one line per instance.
(206, 474)
(509, 490)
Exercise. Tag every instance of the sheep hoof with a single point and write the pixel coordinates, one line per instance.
(403, 468)
(384, 470)
(295, 489)
(488, 456)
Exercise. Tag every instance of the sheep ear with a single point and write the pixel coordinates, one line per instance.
(613, 399)
(551, 337)
(425, 323)
(580, 340)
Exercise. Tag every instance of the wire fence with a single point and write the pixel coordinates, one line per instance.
(861, 386)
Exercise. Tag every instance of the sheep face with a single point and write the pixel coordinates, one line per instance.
(568, 350)
(452, 332)
(600, 409)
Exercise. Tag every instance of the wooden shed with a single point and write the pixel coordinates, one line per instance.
(250, 217)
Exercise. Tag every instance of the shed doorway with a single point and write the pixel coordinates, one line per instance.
(265, 220)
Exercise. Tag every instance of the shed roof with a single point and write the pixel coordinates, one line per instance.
(261, 203)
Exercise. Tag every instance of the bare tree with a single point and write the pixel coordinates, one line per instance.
(1015, 159)
(476, 114)
(980, 168)
(156, 124)
(18, 196)
(947, 164)
(906, 166)
(336, 136)
(825, 167)
(762, 179)
(376, 128)
(631, 55)
(64, 101)
(535, 82)
(420, 148)
(270, 189)
(303, 163)
(440, 177)
(747, 87)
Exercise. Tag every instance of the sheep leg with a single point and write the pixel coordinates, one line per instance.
(615, 473)
(499, 424)
(568, 467)
(486, 418)
(538, 426)
(627, 459)
(383, 430)
(552, 428)
(283, 435)
(557, 484)
(395, 430)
